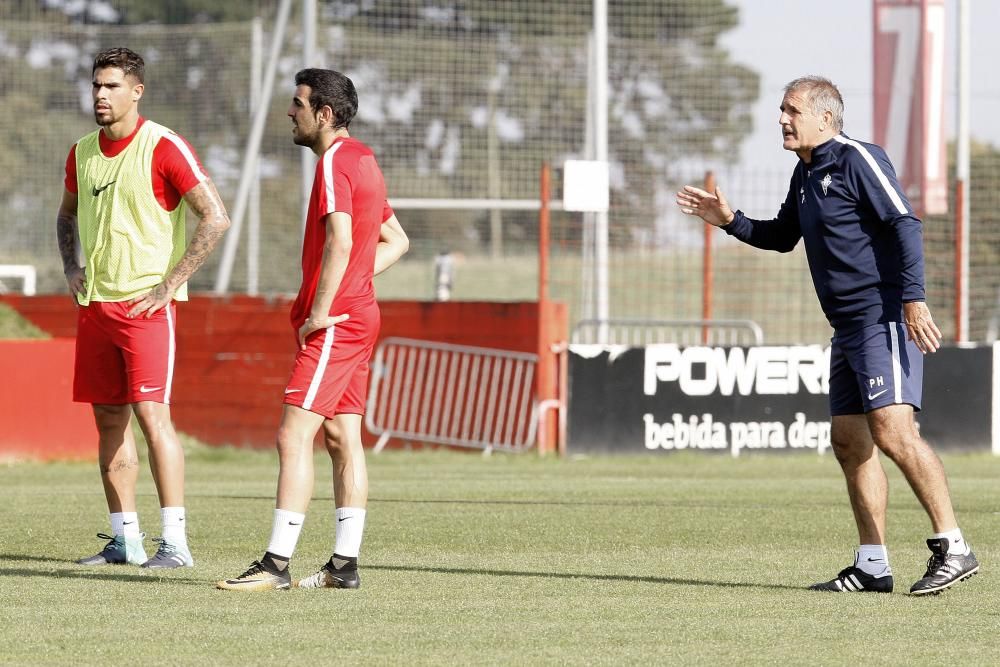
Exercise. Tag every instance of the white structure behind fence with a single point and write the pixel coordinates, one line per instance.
(682, 332)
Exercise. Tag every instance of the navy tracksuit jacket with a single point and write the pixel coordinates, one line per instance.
(862, 239)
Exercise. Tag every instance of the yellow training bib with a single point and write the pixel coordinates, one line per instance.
(129, 242)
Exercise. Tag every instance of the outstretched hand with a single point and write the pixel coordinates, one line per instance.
(311, 325)
(712, 208)
(920, 326)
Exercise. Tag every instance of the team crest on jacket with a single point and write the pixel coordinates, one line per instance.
(826, 183)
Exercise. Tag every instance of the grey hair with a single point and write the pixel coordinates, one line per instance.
(822, 96)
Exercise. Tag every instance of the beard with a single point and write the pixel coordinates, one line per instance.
(104, 118)
(301, 138)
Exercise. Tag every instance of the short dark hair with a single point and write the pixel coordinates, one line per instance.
(128, 61)
(332, 89)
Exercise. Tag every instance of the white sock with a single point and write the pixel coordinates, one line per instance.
(956, 543)
(873, 559)
(174, 525)
(285, 532)
(125, 523)
(350, 527)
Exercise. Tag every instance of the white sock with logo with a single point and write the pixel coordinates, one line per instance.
(350, 527)
(956, 543)
(285, 532)
(873, 559)
(174, 527)
(125, 523)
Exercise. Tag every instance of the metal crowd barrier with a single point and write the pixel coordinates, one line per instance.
(457, 395)
(681, 332)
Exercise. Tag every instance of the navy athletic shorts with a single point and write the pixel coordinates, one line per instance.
(873, 367)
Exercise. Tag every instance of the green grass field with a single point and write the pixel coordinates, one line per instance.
(12, 325)
(681, 559)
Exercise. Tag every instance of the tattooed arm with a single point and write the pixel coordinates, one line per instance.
(213, 221)
(66, 233)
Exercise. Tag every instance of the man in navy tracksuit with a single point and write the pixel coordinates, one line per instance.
(865, 253)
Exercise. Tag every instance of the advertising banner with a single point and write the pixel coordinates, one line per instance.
(665, 398)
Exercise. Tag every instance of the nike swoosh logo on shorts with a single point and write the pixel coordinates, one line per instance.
(145, 390)
(872, 397)
(291, 391)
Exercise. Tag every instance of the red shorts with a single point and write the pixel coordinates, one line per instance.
(330, 376)
(121, 360)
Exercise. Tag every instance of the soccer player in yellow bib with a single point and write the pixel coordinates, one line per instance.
(128, 186)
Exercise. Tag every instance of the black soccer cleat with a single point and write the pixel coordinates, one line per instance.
(329, 576)
(944, 569)
(118, 551)
(853, 580)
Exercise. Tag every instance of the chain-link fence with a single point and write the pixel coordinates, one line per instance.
(459, 101)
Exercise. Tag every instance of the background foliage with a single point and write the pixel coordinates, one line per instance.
(459, 100)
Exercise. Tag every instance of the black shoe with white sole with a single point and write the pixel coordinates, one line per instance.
(853, 580)
(332, 576)
(944, 569)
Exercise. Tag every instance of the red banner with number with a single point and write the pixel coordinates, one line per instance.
(909, 97)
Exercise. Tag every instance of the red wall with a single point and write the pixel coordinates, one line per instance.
(37, 416)
(234, 353)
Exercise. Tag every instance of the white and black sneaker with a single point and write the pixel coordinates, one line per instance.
(169, 555)
(336, 573)
(944, 569)
(853, 580)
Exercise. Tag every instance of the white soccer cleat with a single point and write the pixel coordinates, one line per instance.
(169, 556)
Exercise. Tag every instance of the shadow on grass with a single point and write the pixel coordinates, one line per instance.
(63, 569)
(33, 559)
(676, 581)
(804, 503)
(701, 504)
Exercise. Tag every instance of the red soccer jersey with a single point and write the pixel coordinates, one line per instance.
(348, 180)
(176, 168)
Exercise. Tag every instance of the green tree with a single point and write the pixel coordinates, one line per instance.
(503, 85)
(191, 11)
(674, 91)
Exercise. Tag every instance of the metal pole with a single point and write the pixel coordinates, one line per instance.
(707, 269)
(547, 380)
(250, 153)
(308, 160)
(253, 223)
(493, 176)
(962, 180)
(587, 270)
(543, 235)
(601, 154)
